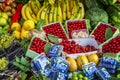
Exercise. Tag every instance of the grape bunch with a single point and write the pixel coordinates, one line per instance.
(6, 40)
(3, 63)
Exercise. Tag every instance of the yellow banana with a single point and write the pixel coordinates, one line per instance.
(38, 4)
(78, 15)
(51, 14)
(43, 13)
(23, 12)
(39, 12)
(34, 7)
(68, 9)
(47, 16)
(59, 13)
(51, 2)
(82, 10)
(75, 8)
(64, 10)
(28, 13)
(55, 13)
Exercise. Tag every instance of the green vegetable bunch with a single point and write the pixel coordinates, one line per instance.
(22, 63)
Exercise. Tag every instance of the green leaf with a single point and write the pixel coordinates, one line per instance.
(23, 76)
(24, 61)
(16, 64)
(40, 23)
(17, 59)
(47, 47)
(53, 39)
(108, 33)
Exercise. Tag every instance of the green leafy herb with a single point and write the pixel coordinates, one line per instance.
(108, 33)
(53, 39)
(22, 63)
(47, 47)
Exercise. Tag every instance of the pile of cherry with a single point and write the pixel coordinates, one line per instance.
(72, 47)
(99, 32)
(75, 25)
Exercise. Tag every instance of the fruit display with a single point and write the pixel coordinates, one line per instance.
(55, 29)
(59, 40)
(72, 47)
(112, 46)
(101, 32)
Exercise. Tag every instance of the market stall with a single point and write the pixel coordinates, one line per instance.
(59, 40)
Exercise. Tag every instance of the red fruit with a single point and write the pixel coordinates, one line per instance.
(112, 46)
(56, 30)
(75, 25)
(99, 32)
(37, 45)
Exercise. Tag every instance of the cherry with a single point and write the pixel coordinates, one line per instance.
(37, 45)
(71, 47)
(99, 32)
(112, 46)
(75, 25)
(56, 30)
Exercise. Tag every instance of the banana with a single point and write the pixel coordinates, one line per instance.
(75, 8)
(23, 12)
(28, 13)
(78, 15)
(39, 12)
(51, 14)
(82, 10)
(68, 9)
(34, 7)
(47, 16)
(38, 4)
(59, 13)
(55, 13)
(64, 10)
(51, 2)
(43, 13)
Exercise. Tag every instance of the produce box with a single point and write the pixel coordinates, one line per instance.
(73, 25)
(104, 32)
(36, 47)
(112, 46)
(83, 46)
(55, 29)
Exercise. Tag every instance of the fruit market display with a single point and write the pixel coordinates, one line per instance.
(59, 40)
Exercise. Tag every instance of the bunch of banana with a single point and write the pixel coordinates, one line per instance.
(30, 10)
(77, 11)
(51, 2)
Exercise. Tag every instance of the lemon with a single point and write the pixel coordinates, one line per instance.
(25, 34)
(16, 34)
(29, 25)
(16, 26)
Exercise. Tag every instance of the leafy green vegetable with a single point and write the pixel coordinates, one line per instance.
(39, 78)
(47, 47)
(96, 15)
(22, 63)
(108, 33)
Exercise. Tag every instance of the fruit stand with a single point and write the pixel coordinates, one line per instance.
(59, 40)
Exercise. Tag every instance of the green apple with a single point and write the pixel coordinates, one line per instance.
(6, 27)
(74, 78)
(3, 21)
(4, 15)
